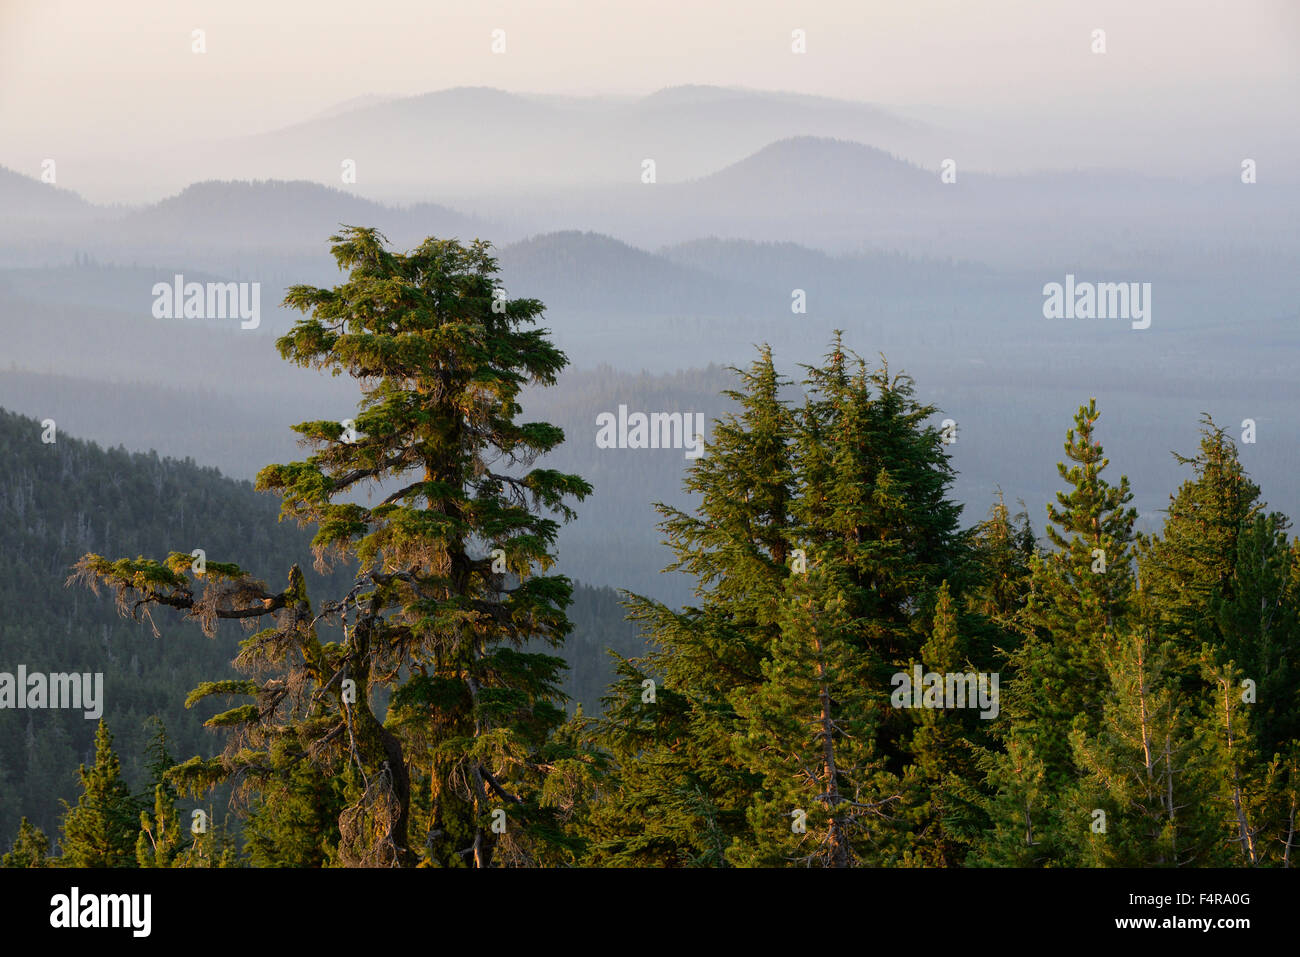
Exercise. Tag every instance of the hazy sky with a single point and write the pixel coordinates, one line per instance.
(86, 75)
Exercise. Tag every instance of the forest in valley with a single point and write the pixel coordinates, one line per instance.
(380, 664)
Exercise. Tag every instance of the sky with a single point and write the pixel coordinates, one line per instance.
(88, 75)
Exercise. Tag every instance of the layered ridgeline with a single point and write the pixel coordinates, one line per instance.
(61, 499)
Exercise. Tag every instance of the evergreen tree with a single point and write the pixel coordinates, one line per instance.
(30, 849)
(945, 813)
(1241, 778)
(1255, 623)
(160, 838)
(1144, 768)
(1078, 603)
(101, 830)
(1019, 807)
(295, 819)
(874, 480)
(1003, 548)
(1281, 827)
(810, 731)
(1002, 551)
(676, 791)
(451, 582)
(1191, 563)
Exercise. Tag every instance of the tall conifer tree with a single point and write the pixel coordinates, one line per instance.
(100, 831)
(678, 793)
(452, 579)
(1078, 604)
(809, 730)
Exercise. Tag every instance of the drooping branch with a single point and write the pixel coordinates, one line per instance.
(228, 592)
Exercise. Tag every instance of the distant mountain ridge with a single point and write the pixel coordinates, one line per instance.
(468, 140)
(287, 215)
(26, 197)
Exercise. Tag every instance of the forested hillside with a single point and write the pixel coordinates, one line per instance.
(863, 674)
(56, 501)
(62, 499)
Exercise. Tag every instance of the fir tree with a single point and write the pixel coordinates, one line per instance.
(160, 838)
(451, 582)
(677, 792)
(945, 809)
(1144, 767)
(1003, 547)
(295, 818)
(874, 480)
(101, 830)
(1191, 563)
(30, 848)
(1078, 605)
(1255, 623)
(810, 732)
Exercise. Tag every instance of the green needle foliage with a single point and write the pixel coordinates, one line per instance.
(451, 582)
(676, 793)
(1080, 594)
(1148, 708)
(100, 831)
(31, 848)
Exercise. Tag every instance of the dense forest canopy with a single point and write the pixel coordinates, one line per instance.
(859, 678)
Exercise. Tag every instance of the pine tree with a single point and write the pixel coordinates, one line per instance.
(1079, 601)
(211, 845)
(295, 819)
(1281, 827)
(451, 582)
(809, 729)
(160, 839)
(945, 808)
(676, 792)
(1191, 563)
(1020, 806)
(101, 830)
(1242, 782)
(1144, 768)
(1083, 590)
(30, 848)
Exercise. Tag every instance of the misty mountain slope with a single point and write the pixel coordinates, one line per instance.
(238, 432)
(60, 500)
(827, 173)
(27, 197)
(273, 215)
(844, 196)
(212, 225)
(119, 337)
(1010, 379)
(840, 279)
(511, 142)
(595, 274)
